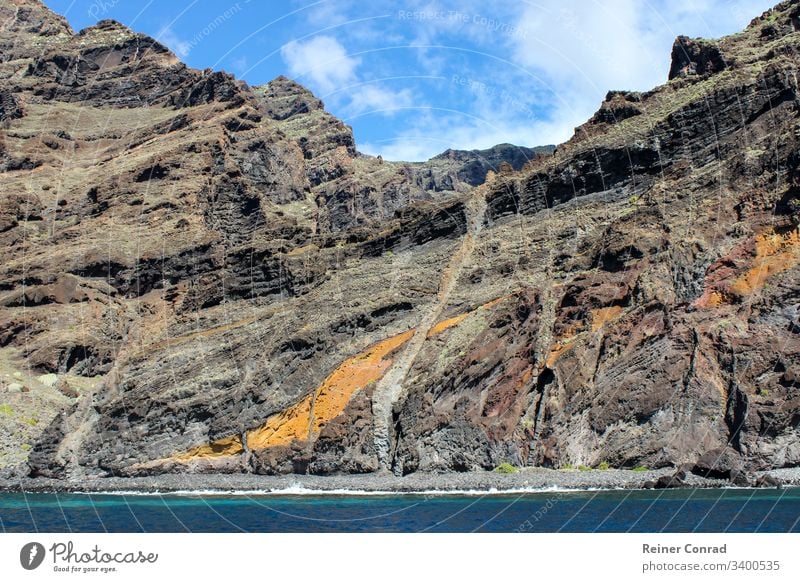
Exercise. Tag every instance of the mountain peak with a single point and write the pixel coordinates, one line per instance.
(23, 18)
(106, 25)
(285, 98)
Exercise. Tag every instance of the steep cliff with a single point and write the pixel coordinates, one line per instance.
(249, 293)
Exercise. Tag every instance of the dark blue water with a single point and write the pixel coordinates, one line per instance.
(607, 511)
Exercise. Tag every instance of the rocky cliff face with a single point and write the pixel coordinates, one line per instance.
(248, 293)
(472, 166)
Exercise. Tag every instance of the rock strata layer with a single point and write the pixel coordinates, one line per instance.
(248, 293)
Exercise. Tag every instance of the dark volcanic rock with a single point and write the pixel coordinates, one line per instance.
(618, 106)
(768, 480)
(473, 166)
(695, 57)
(675, 481)
(10, 107)
(285, 99)
(345, 445)
(722, 463)
(235, 288)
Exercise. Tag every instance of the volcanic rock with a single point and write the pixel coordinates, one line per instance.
(243, 291)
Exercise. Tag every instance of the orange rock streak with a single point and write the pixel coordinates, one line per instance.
(304, 420)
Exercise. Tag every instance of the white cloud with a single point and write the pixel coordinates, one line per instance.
(580, 53)
(328, 14)
(375, 99)
(617, 44)
(179, 46)
(332, 72)
(558, 59)
(430, 132)
(322, 60)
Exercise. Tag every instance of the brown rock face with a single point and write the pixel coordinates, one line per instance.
(249, 293)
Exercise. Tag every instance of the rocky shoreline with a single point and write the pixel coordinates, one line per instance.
(533, 479)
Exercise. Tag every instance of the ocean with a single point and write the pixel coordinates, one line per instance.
(682, 510)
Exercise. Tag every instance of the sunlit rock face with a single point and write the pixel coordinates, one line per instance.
(228, 285)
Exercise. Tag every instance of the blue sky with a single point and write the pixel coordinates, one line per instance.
(416, 77)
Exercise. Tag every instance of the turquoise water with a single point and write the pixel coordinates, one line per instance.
(730, 510)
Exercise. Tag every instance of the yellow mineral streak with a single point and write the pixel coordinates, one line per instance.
(775, 253)
(563, 344)
(556, 351)
(715, 299)
(283, 428)
(446, 324)
(454, 321)
(492, 303)
(305, 419)
(228, 446)
(602, 316)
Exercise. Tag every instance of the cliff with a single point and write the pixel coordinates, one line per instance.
(232, 287)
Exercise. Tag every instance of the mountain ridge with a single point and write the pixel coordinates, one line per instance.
(630, 299)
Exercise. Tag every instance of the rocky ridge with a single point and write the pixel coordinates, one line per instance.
(253, 295)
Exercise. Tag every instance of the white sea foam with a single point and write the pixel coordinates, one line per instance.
(301, 491)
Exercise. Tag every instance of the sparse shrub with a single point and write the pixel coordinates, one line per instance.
(6, 410)
(506, 468)
(604, 466)
(568, 466)
(639, 469)
(584, 468)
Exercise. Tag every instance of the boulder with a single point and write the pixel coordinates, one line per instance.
(767, 480)
(720, 463)
(674, 481)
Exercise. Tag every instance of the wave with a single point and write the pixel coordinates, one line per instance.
(297, 490)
